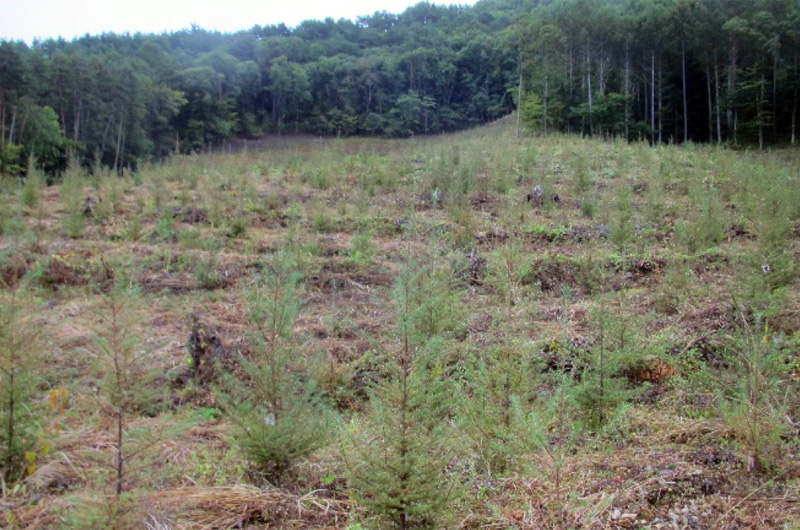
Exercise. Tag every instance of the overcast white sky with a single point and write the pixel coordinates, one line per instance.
(26, 19)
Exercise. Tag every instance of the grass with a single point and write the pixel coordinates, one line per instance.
(674, 240)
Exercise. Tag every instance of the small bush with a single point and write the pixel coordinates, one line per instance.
(588, 208)
(237, 226)
(206, 273)
(362, 250)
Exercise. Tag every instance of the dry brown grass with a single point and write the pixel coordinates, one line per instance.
(246, 506)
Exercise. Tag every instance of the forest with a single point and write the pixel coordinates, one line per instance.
(666, 71)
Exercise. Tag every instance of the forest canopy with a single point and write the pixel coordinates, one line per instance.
(721, 71)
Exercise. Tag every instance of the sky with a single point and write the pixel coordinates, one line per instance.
(27, 19)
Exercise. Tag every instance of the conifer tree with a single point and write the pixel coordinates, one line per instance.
(277, 416)
(398, 454)
(501, 384)
(125, 380)
(17, 355)
(602, 388)
(754, 390)
(501, 378)
(19, 344)
(553, 428)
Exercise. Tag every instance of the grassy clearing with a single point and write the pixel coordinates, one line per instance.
(622, 356)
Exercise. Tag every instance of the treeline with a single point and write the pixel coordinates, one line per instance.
(662, 70)
(665, 70)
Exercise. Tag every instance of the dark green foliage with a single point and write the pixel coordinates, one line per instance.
(10, 159)
(44, 140)
(606, 114)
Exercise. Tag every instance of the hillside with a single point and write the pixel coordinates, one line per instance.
(363, 333)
